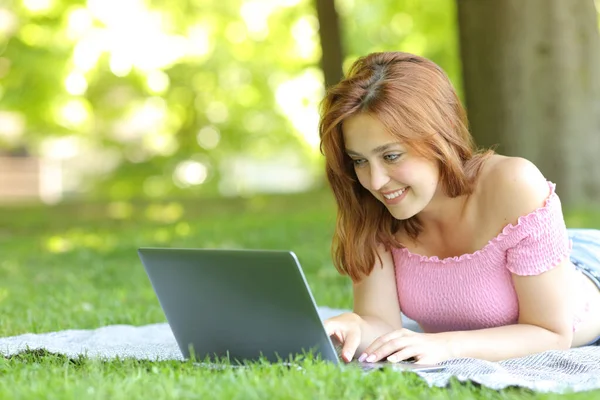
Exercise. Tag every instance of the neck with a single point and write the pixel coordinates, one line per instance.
(443, 214)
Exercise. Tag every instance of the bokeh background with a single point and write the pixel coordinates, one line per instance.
(125, 99)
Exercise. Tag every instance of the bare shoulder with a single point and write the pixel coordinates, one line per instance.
(384, 264)
(512, 187)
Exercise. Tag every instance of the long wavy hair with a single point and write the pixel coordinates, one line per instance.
(417, 104)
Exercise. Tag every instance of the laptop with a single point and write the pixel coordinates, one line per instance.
(242, 305)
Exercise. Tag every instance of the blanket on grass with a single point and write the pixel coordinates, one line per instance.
(553, 371)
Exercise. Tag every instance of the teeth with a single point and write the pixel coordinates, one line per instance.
(394, 195)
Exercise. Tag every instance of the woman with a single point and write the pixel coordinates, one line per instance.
(470, 244)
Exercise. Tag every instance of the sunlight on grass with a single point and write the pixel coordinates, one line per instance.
(3, 294)
(126, 379)
(80, 239)
(58, 244)
(10, 268)
(165, 213)
(162, 235)
(119, 210)
(182, 229)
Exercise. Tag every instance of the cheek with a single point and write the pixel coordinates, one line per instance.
(416, 172)
(403, 173)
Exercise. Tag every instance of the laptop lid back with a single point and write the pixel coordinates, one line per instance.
(239, 304)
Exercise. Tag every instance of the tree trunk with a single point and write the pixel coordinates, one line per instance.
(531, 72)
(331, 42)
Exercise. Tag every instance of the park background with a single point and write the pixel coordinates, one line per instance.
(130, 123)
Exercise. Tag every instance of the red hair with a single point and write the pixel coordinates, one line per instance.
(415, 101)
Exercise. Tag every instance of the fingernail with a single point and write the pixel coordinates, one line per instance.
(362, 357)
(371, 358)
(392, 359)
(348, 356)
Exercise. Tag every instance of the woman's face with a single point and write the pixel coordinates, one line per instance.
(403, 181)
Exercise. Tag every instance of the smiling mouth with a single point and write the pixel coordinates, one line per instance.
(395, 194)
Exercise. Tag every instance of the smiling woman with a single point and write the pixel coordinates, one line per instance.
(389, 160)
(401, 100)
(470, 244)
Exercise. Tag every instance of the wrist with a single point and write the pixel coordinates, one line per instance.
(454, 344)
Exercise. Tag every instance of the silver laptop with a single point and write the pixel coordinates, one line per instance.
(241, 305)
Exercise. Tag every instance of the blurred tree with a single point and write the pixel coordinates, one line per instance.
(532, 83)
(156, 98)
(426, 27)
(331, 42)
(126, 92)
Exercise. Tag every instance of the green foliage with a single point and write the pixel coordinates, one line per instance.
(130, 97)
(137, 91)
(428, 28)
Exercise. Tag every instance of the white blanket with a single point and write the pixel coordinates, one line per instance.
(552, 371)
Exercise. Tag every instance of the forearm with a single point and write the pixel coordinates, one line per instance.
(501, 343)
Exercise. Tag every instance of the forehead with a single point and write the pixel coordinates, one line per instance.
(365, 131)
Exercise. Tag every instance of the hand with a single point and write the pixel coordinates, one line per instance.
(346, 330)
(403, 344)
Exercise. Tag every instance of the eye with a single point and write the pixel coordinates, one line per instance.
(392, 157)
(358, 162)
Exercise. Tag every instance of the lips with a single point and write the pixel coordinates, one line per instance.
(395, 197)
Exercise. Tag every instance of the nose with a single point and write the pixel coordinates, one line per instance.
(379, 177)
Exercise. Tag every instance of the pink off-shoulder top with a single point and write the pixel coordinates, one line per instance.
(475, 291)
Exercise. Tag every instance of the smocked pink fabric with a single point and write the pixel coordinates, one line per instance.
(475, 291)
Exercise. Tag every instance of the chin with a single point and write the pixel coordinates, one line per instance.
(402, 215)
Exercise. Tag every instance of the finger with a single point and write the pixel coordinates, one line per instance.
(390, 347)
(405, 353)
(381, 340)
(351, 343)
(338, 336)
(335, 330)
(330, 326)
(334, 336)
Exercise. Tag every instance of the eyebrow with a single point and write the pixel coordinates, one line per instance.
(376, 150)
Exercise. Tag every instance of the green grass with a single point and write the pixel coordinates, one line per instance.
(75, 266)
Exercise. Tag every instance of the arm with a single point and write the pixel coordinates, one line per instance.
(545, 322)
(376, 300)
(376, 309)
(545, 307)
